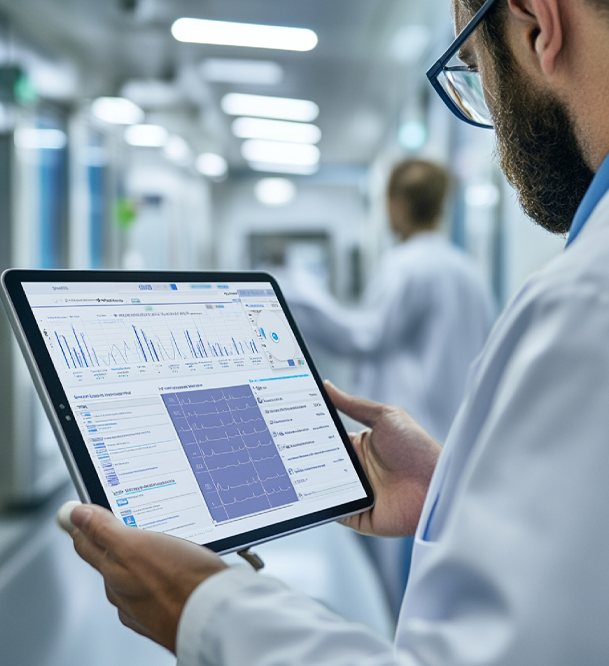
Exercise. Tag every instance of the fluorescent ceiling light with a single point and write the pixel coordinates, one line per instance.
(412, 135)
(282, 108)
(117, 110)
(251, 72)
(275, 191)
(211, 165)
(224, 33)
(484, 195)
(177, 150)
(53, 79)
(293, 169)
(33, 138)
(255, 150)
(275, 130)
(146, 136)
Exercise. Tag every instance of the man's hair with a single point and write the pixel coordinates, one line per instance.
(421, 187)
(494, 21)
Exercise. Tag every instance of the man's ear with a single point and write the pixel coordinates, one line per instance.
(540, 23)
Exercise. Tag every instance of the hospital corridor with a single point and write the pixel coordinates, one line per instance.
(190, 148)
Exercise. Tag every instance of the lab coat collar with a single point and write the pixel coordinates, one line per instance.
(433, 236)
(597, 190)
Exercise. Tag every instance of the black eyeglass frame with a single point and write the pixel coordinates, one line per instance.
(441, 64)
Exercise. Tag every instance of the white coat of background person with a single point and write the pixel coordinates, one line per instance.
(424, 316)
(510, 565)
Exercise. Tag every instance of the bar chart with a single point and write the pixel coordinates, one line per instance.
(157, 337)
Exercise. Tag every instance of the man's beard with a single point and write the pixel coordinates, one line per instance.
(538, 151)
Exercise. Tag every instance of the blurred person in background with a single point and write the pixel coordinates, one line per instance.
(424, 315)
(423, 318)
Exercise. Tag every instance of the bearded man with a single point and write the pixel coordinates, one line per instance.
(509, 566)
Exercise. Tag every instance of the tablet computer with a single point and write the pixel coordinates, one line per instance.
(186, 403)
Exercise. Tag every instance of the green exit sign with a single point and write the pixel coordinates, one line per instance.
(15, 86)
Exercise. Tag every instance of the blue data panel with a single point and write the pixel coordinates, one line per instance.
(231, 451)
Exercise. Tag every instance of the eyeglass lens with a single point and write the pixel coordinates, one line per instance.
(465, 90)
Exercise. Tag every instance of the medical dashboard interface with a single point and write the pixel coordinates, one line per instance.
(196, 404)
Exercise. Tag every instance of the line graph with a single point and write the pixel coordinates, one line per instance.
(231, 451)
(150, 338)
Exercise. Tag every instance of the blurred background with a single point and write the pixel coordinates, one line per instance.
(127, 141)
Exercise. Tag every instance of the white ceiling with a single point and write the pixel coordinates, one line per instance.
(352, 75)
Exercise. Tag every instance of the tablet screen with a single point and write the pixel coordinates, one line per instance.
(196, 404)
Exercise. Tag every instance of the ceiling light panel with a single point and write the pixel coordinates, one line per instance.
(146, 136)
(211, 165)
(275, 191)
(251, 72)
(412, 135)
(261, 106)
(254, 150)
(292, 169)
(177, 150)
(224, 33)
(276, 130)
(33, 138)
(117, 111)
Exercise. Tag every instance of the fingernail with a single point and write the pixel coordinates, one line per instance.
(80, 516)
(327, 382)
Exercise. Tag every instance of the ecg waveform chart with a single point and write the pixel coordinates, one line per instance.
(159, 337)
(231, 451)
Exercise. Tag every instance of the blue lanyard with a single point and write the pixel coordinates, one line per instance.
(597, 190)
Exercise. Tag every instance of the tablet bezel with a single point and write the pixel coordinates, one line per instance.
(67, 431)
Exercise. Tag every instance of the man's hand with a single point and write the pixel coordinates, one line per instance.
(148, 576)
(399, 458)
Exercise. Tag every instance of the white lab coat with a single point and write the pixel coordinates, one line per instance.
(424, 317)
(514, 568)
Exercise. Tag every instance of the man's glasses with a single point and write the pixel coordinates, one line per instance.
(460, 87)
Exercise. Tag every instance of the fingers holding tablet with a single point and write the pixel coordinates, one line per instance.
(148, 576)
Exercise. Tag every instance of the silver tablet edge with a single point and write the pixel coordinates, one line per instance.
(65, 448)
(259, 542)
(44, 396)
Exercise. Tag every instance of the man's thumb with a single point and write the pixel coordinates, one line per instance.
(359, 409)
(73, 515)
